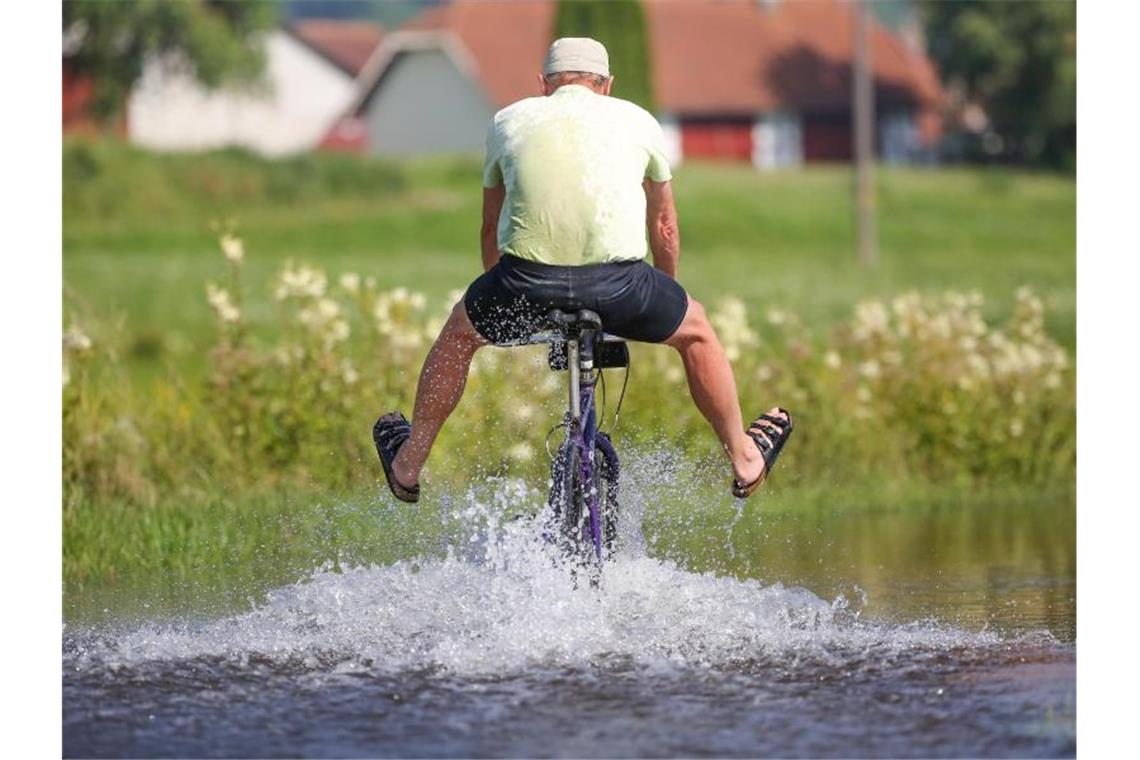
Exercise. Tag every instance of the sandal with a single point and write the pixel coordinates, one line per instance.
(390, 433)
(770, 434)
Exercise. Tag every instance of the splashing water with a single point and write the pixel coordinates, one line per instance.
(498, 607)
(501, 601)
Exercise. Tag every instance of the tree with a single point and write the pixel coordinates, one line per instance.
(620, 26)
(1018, 61)
(216, 42)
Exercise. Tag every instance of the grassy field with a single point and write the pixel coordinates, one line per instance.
(191, 450)
(137, 235)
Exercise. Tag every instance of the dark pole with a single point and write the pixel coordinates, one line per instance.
(863, 94)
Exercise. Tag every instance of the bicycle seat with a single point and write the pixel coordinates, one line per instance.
(572, 322)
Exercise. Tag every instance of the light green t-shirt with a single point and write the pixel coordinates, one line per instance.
(573, 163)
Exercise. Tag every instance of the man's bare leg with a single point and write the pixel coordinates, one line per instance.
(441, 384)
(714, 391)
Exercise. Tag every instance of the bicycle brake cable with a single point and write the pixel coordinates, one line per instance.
(602, 408)
(621, 396)
(546, 442)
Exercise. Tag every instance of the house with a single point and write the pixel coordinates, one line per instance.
(311, 67)
(747, 80)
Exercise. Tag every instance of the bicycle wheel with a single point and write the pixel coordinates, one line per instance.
(565, 501)
(570, 517)
(608, 471)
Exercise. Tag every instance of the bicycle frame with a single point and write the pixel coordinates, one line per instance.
(582, 430)
(581, 416)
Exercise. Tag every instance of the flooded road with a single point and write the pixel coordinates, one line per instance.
(925, 633)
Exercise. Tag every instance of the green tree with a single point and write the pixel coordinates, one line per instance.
(216, 42)
(1018, 61)
(620, 26)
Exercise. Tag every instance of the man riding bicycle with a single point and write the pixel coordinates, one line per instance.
(574, 183)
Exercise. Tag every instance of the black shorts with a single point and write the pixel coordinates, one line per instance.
(635, 301)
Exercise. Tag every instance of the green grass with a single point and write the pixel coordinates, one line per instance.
(138, 248)
(138, 243)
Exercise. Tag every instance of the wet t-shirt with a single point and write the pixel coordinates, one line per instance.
(573, 163)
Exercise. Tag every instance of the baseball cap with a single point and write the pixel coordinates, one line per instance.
(577, 54)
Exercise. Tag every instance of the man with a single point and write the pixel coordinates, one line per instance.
(572, 183)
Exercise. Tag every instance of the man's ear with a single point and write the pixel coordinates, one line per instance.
(608, 87)
(543, 87)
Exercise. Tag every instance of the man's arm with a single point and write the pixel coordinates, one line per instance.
(661, 221)
(492, 206)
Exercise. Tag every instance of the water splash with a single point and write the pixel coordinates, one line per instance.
(499, 601)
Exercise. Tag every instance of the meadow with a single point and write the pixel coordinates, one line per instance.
(234, 325)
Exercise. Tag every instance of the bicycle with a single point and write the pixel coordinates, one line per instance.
(584, 473)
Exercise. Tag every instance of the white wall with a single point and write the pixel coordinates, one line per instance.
(305, 94)
(777, 141)
(898, 138)
(671, 127)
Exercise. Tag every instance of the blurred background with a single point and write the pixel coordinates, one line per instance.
(269, 207)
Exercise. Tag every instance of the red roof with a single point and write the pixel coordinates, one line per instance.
(708, 56)
(346, 44)
(507, 41)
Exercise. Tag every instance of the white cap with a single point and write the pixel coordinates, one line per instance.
(577, 54)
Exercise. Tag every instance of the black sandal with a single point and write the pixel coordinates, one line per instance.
(390, 433)
(770, 434)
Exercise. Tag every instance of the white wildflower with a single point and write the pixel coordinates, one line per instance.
(338, 332)
(764, 373)
(521, 452)
(869, 369)
(870, 319)
(302, 282)
(232, 247)
(777, 317)
(523, 412)
(674, 374)
(224, 308)
(731, 323)
(1053, 381)
(1016, 427)
(349, 373)
(406, 339)
(433, 327)
(907, 304)
(1032, 357)
(941, 326)
(350, 281)
(76, 341)
(863, 394)
(831, 360)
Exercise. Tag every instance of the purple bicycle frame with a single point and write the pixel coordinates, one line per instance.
(584, 436)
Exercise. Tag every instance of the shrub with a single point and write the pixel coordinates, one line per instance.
(919, 387)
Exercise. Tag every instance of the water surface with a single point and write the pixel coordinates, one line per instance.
(830, 633)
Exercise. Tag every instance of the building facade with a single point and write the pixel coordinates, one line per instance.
(734, 80)
(309, 81)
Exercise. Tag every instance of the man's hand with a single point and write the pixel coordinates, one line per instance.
(661, 221)
(488, 237)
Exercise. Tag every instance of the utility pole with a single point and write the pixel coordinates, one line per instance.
(863, 95)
